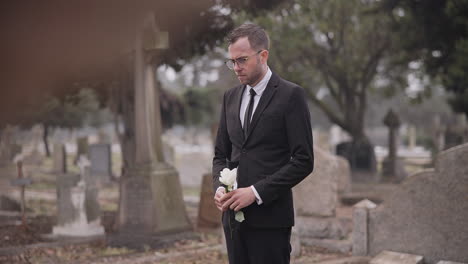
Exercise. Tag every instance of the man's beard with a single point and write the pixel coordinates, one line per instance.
(255, 77)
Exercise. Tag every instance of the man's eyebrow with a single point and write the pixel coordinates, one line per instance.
(241, 57)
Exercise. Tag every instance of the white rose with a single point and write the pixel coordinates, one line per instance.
(228, 177)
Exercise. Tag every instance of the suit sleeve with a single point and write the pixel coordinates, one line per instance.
(300, 142)
(223, 145)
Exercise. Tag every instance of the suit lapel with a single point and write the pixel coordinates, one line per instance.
(267, 95)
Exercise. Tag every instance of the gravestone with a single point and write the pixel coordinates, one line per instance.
(21, 182)
(32, 154)
(59, 157)
(361, 226)
(456, 132)
(9, 204)
(78, 208)
(81, 148)
(317, 194)
(393, 168)
(6, 141)
(427, 214)
(316, 200)
(361, 158)
(191, 165)
(15, 150)
(151, 195)
(101, 162)
(208, 215)
(344, 176)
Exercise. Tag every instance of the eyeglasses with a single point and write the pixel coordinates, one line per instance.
(240, 61)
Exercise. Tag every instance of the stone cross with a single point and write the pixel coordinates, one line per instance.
(78, 207)
(22, 182)
(148, 129)
(152, 200)
(392, 121)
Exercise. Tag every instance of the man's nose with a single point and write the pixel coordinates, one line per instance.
(237, 68)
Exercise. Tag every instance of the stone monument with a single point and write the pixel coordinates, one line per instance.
(101, 162)
(393, 168)
(316, 199)
(78, 208)
(151, 194)
(208, 215)
(59, 157)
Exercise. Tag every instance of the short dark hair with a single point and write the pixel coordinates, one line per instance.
(257, 36)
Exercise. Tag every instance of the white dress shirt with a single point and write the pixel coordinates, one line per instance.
(259, 89)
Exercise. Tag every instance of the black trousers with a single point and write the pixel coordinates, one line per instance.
(248, 245)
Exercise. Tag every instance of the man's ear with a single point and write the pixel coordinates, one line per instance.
(264, 55)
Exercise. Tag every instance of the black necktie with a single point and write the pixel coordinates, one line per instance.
(248, 113)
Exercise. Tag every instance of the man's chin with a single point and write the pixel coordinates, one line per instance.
(243, 79)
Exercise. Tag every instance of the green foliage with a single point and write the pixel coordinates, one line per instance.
(199, 106)
(336, 50)
(71, 112)
(436, 33)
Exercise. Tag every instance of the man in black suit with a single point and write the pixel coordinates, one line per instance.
(265, 132)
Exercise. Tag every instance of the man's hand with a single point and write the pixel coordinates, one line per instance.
(218, 195)
(238, 199)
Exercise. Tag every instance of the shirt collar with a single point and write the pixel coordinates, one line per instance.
(261, 85)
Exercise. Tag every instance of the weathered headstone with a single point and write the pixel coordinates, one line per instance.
(412, 137)
(31, 152)
(101, 162)
(361, 157)
(9, 204)
(208, 215)
(393, 169)
(78, 208)
(191, 165)
(428, 214)
(59, 158)
(317, 194)
(81, 148)
(344, 176)
(6, 140)
(360, 226)
(151, 195)
(457, 132)
(21, 182)
(316, 200)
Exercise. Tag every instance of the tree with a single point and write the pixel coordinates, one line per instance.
(338, 52)
(436, 33)
(71, 112)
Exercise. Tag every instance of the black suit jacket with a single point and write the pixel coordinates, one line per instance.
(276, 154)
